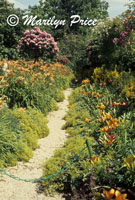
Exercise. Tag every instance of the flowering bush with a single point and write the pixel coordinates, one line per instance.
(37, 44)
(34, 84)
(113, 42)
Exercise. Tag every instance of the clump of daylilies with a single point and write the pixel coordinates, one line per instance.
(114, 195)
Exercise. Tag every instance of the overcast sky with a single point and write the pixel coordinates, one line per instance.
(116, 7)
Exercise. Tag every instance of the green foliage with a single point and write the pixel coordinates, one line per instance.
(60, 96)
(75, 173)
(63, 10)
(100, 113)
(31, 90)
(112, 42)
(19, 132)
(36, 85)
(8, 44)
(71, 39)
(73, 46)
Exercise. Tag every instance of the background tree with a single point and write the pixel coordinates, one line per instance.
(71, 40)
(9, 35)
(63, 9)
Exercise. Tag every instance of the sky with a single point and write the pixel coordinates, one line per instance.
(116, 7)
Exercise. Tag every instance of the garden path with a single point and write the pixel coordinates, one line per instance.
(11, 189)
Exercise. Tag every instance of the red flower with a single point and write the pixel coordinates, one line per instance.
(110, 80)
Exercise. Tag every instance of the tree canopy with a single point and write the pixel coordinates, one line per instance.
(9, 35)
(63, 9)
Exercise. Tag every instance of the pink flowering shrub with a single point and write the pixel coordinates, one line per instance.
(127, 29)
(36, 44)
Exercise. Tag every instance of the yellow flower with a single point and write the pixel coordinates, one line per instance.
(87, 120)
(106, 129)
(120, 196)
(95, 160)
(20, 78)
(109, 194)
(21, 110)
(130, 162)
(93, 94)
(102, 107)
(107, 115)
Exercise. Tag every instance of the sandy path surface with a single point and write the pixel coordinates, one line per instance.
(11, 189)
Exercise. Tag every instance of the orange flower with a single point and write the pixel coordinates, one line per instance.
(102, 107)
(106, 129)
(1, 77)
(113, 122)
(115, 104)
(21, 110)
(99, 95)
(109, 194)
(111, 138)
(87, 120)
(69, 106)
(85, 93)
(95, 160)
(1, 102)
(6, 83)
(120, 196)
(85, 81)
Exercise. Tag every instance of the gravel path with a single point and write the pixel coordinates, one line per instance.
(11, 189)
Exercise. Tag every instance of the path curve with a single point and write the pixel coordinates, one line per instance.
(11, 189)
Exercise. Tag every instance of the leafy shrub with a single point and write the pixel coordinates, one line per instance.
(73, 47)
(19, 132)
(112, 42)
(70, 177)
(8, 44)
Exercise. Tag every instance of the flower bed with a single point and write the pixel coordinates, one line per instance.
(28, 92)
(101, 112)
